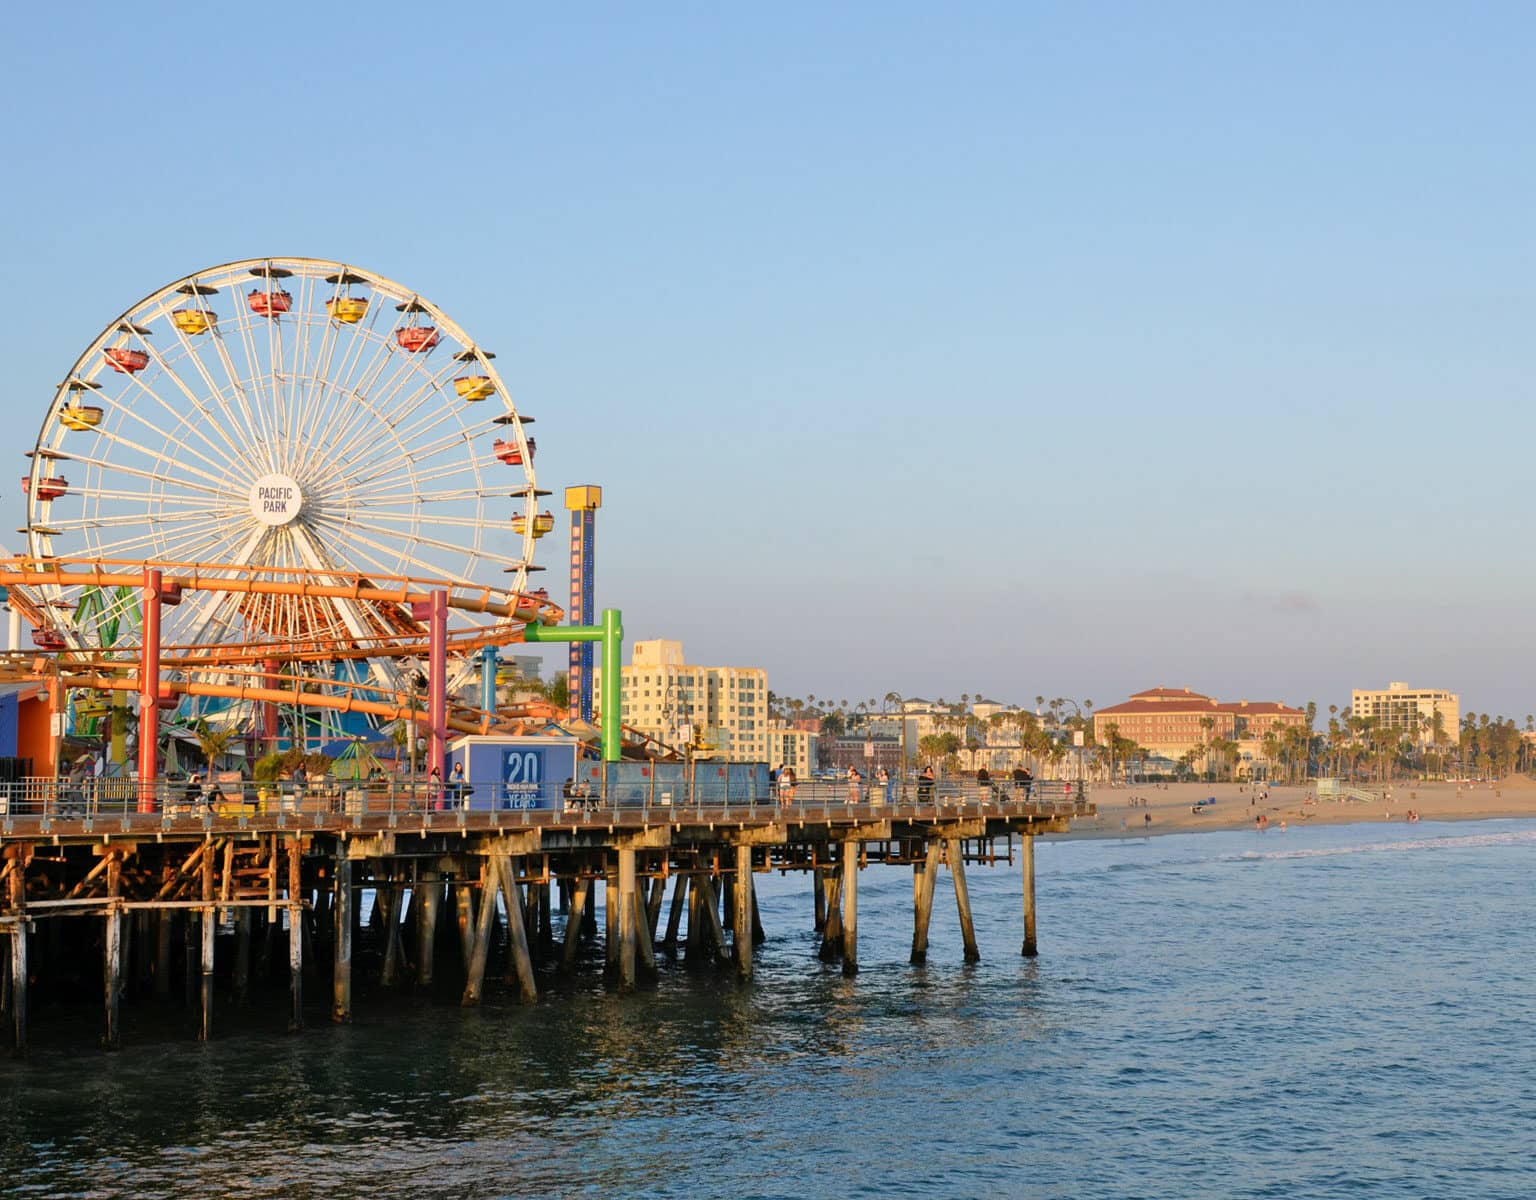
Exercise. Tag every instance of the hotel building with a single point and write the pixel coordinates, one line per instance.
(1410, 709)
(671, 700)
(1169, 721)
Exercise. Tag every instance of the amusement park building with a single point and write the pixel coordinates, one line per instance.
(668, 698)
(1170, 721)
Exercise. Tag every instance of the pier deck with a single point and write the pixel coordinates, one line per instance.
(208, 898)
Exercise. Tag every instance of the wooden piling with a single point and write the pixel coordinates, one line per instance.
(522, 960)
(480, 947)
(626, 919)
(207, 921)
(295, 937)
(850, 908)
(645, 941)
(819, 891)
(758, 935)
(390, 971)
(244, 920)
(430, 894)
(112, 959)
(962, 899)
(713, 934)
(19, 976)
(464, 916)
(741, 910)
(163, 943)
(341, 915)
(611, 919)
(1027, 857)
(832, 928)
(924, 874)
(653, 906)
(675, 915)
(574, 922)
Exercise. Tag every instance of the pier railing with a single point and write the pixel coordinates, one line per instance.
(111, 805)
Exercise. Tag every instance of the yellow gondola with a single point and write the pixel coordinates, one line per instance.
(349, 310)
(193, 321)
(542, 523)
(474, 387)
(80, 416)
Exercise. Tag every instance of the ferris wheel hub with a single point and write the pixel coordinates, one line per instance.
(276, 500)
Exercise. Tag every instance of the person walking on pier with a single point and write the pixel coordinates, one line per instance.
(983, 784)
(1022, 780)
(853, 785)
(880, 792)
(925, 785)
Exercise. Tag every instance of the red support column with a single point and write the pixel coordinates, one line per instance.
(269, 709)
(149, 693)
(437, 684)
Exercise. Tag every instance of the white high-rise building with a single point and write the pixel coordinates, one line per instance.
(1410, 709)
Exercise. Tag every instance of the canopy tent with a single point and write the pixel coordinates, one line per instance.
(357, 760)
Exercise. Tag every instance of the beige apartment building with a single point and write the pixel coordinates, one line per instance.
(793, 748)
(672, 700)
(1410, 709)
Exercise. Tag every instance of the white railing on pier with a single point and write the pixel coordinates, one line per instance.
(114, 804)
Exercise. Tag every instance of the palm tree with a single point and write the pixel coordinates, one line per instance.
(213, 743)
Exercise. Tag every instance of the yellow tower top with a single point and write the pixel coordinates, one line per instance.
(586, 498)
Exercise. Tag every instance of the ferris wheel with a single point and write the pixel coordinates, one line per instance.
(287, 416)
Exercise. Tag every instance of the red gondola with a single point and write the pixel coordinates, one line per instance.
(50, 487)
(416, 339)
(125, 361)
(269, 304)
(511, 453)
(48, 639)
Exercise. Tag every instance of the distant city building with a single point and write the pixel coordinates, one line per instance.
(1170, 721)
(794, 748)
(1409, 709)
(865, 753)
(673, 700)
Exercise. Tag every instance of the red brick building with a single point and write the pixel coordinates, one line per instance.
(1170, 721)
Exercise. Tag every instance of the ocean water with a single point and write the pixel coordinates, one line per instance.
(1339, 1011)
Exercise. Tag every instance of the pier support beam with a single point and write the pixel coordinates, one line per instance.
(611, 936)
(244, 921)
(832, 928)
(19, 977)
(295, 936)
(390, 971)
(962, 899)
(429, 892)
(341, 914)
(1027, 857)
(924, 874)
(675, 915)
(207, 923)
(709, 913)
(522, 960)
(573, 923)
(627, 930)
(742, 909)
(819, 892)
(474, 966)
(112, 955)
(850, 908)
(464, 912)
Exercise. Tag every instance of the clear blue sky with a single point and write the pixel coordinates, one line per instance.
(1014, 348)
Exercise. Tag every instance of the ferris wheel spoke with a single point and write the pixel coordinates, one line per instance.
(365, 474)
(171, 438)
(374, 500)
(351, 429)
(103, 465)
(265, 422)
(208, 420)
(174, 467)
(360, 531)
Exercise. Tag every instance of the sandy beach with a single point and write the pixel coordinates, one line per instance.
(1123, 810)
